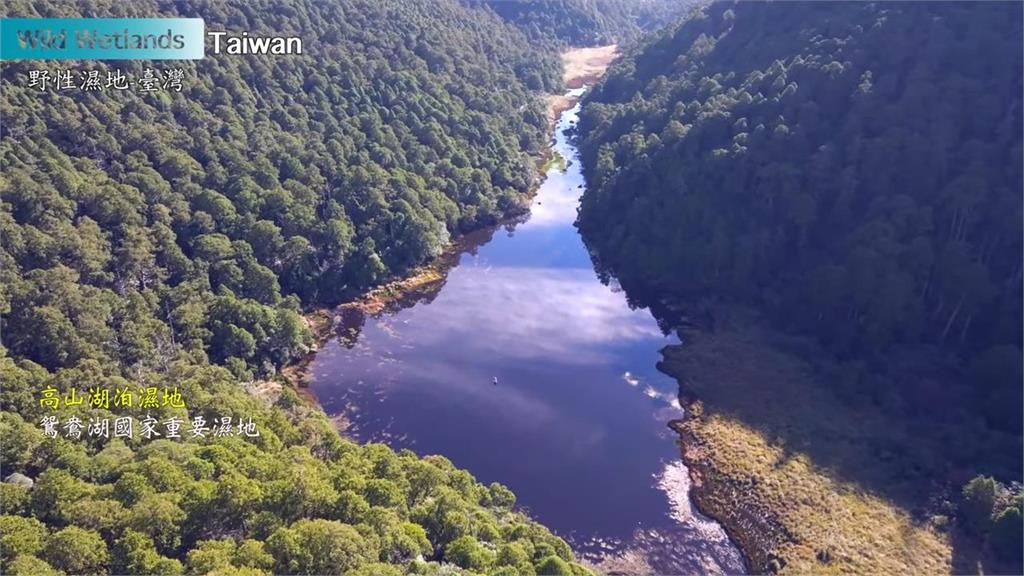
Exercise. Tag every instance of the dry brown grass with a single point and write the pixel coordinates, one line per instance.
(780, 462)
(580, 66)
(558, 103)
(585, 65)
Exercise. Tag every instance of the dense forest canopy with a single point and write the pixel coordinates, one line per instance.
(200, 216)
(172, 239)
(586, 22)
(296, 500)
(854, 169)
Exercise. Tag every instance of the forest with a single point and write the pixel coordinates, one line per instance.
(174, 238)
(586, 22)
(853, 171)
(201, 221)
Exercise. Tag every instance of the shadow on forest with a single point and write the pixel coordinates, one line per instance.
(907, 437)
(906, 430)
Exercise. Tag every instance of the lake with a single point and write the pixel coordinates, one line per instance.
(524, 368)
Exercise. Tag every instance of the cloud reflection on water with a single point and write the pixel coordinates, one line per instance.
(557, 207)
(576, 423)
(530, 314)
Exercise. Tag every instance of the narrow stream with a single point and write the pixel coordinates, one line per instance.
(523, 368)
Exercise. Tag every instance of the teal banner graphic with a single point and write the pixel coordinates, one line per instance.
(102, 38)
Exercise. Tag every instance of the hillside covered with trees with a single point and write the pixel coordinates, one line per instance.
(171, 239)
(586, 22)
(298, 499)
(204, 217)
(854, 171)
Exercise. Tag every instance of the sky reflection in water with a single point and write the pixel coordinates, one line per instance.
(575, 425)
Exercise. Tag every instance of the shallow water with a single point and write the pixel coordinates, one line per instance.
(525, 369)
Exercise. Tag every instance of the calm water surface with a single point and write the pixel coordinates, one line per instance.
(576, 424)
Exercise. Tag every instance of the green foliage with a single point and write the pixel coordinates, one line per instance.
(500, 495)
(808, 174)
(414, 540)
(141, 229)
(383, 492)
(979, 499)
(160, 518)
(466, 552)
(102, 515)
(851, 170)
(236, 507)
(211, 555)
(291, 498)
(553, 566)
(376, 569)
(77, 551)
(1008, 533)
(514, 556)
(135, 553)
(20, 535)
(14, 499)
(319, 547)
(175, 240)
(992, 511)
(586, 22)
(25, 565)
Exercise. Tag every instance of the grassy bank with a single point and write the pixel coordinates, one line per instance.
(581, 67)
(793, 472)
(555, 161)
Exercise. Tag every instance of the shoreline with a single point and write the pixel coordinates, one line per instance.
(785, 467)
(427, 279)
(703, 477)
(324, 322)
(580, 67)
